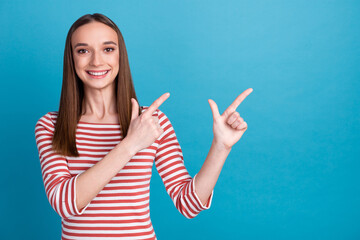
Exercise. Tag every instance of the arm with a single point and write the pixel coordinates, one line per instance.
(210, 171)
(94, 179)
(70, 195)
(228, 129)
(178, 183)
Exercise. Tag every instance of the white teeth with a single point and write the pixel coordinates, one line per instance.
(97, 73)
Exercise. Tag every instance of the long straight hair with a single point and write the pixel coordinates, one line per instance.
(72, 92)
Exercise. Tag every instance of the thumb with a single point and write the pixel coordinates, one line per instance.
(214, 109)
(134, 109)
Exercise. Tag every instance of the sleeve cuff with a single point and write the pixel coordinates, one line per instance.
(199, 203)
(77, 212)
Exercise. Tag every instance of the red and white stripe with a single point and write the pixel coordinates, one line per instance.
(121, 208)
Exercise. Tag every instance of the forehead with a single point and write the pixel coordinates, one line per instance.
(94, 33)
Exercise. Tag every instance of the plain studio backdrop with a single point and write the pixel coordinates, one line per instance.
(295, 172)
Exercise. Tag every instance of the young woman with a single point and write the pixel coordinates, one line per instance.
(97, 151)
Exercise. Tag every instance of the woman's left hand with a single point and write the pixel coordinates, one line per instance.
(229, 126)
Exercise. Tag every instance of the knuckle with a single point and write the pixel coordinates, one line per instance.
(231, 118)
(242, 126)
(235, 124)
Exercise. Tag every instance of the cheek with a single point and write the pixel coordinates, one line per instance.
(79, 63)
(115, 62)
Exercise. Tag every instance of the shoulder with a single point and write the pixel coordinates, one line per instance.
(47, 121)
(164, 121)
(157, 113)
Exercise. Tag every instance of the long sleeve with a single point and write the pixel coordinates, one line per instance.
(60, 185)
(178, 183)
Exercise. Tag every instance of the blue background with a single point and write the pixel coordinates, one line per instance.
(295, 172)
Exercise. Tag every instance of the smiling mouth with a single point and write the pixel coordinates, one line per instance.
(98, 73)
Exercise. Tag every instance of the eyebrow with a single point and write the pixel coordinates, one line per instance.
(85, 44)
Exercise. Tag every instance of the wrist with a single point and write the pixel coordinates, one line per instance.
(128, 146)
(220, 146)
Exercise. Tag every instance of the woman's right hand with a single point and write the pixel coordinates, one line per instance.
(144, 129)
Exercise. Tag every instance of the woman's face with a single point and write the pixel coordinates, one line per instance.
(96, 54)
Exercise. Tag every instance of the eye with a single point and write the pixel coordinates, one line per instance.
(81, 51)
(111, 49)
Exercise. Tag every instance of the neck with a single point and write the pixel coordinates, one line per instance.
(99, 103)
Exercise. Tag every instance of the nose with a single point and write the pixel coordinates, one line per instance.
(96, 59)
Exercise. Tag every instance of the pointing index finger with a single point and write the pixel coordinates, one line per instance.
(238, 100)
(156, 104)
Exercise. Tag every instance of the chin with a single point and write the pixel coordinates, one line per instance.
(93, 84)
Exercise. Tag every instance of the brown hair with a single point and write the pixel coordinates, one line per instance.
(72, 92)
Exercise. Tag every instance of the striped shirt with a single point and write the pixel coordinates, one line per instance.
(121, 208)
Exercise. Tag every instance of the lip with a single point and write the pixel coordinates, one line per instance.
(98, 70)
(98, 77)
